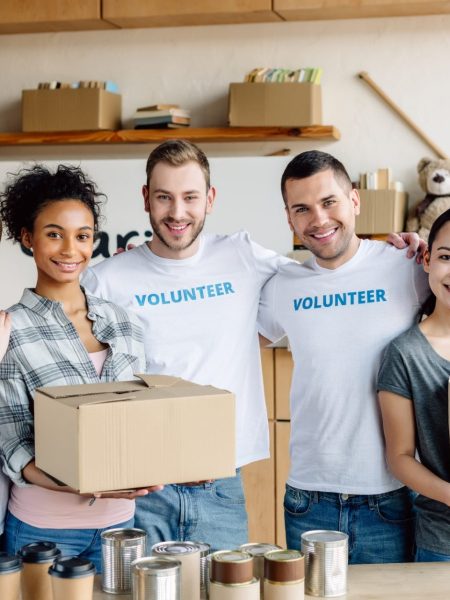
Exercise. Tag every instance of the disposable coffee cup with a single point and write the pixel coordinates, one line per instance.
(10, 568)
(35, 580)
(72, 578)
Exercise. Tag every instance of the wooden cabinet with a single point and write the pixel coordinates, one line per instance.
(264, 480)
(161, 13)
(50, 15)
(302, 10)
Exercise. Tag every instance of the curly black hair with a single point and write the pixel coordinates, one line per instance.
(32, 189)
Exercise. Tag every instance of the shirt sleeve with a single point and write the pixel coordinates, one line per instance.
(267, 262)
(268, 324)
(90, 282)
(393, 375)
(16, 422)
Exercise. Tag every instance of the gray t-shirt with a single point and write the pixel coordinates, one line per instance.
(411, 368)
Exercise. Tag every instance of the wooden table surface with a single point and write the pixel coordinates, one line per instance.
(410, 581)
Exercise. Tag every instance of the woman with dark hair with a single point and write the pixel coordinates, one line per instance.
(60, 336)
(413, 392)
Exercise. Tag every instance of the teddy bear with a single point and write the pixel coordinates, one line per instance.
(434, 179)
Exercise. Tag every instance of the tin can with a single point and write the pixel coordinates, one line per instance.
(208, 569)
(205, 550)
(284, 575)
(326, 560)
(120, 547)
(232, 576)
(155, 578)
(257, 550)
(188, 554)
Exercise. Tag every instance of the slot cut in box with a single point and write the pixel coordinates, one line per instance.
(265, 104)
(66, 109)
(126, 435)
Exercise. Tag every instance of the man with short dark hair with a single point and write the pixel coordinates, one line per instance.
(339, 310)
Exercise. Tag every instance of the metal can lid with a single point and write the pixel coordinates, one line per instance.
(123, 535)
(322, 537)
(155, 565)
(258, 549)
(9, 563)
(72, 567)
(171, 548)
(39, 552)
(232, 566)
(205, 548)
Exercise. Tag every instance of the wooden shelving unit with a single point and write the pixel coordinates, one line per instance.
(155, 136)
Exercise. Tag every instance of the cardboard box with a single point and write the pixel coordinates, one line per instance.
(382, 211)
(123, 435)
(70, 109)
(275, 104)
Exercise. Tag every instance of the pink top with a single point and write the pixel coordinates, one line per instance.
(48, 509)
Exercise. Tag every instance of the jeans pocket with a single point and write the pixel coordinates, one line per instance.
(297, 502)
(229, 490)
(395, 507)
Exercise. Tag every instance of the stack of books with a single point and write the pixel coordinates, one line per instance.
(109, 86)
(381, 179)
(161, 116)
(267, 75)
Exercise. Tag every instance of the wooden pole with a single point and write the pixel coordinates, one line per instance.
(424, 137)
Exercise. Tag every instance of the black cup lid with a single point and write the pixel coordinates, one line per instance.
(9, 563)
(71, 567)
(39, 552)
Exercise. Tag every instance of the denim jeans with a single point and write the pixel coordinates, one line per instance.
(212, 512)
(423, 555)
(72, 542)
(380, 527)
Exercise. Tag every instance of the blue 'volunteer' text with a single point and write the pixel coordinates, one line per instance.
(201, 292)
(340, 299)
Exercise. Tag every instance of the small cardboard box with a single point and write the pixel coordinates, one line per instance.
(275, 104)
(124, 435)
(69, 109)
(382, 211)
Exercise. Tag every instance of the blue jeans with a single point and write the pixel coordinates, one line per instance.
(423, 555)
(211, 512)
(72, 542)
(380, 527)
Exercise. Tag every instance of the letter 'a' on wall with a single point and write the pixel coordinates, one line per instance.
(248, 197)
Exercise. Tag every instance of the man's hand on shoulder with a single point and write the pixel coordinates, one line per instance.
(121, 250)
(416, 246)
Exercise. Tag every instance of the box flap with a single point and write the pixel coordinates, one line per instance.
(158, 381)
(88, 389)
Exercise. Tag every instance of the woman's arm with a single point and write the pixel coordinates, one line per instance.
(5, 331)
(400, 436)
(33, 474)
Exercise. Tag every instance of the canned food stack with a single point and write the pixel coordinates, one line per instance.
(232, 577)
(155, 578)
(257, 550)
(188, 554)
(284, 575)
(326, 559)
(120, 547)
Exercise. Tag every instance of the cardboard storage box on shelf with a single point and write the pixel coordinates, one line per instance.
(382, 211)
(124, 435)
(69, 109)
(275, 104)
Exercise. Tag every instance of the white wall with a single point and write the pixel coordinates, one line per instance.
(192, 66)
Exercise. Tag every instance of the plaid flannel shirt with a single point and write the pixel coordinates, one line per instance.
(45, 350)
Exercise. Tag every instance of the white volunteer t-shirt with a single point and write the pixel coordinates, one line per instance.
(199, 318)
(338, 323)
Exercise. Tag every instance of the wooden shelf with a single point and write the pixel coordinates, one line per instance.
(155, 136)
